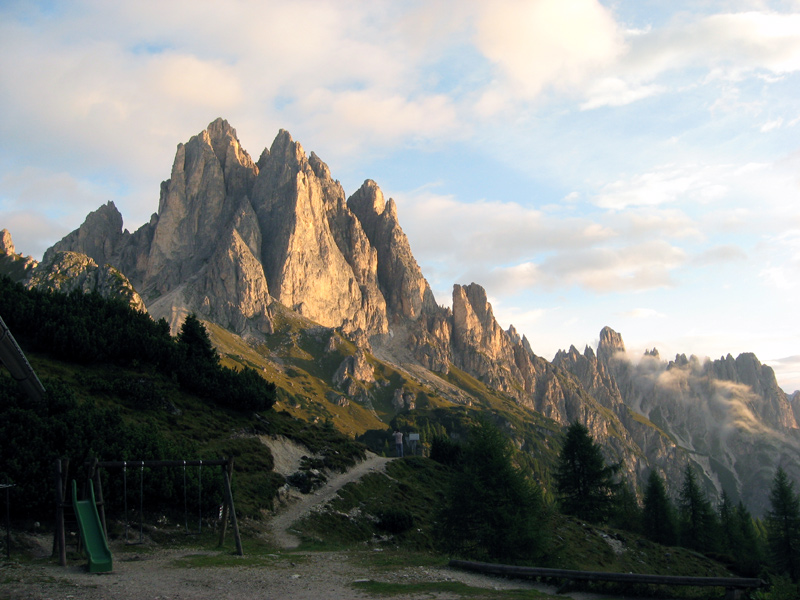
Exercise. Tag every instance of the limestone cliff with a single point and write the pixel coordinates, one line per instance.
(408, 295)
(315, 256)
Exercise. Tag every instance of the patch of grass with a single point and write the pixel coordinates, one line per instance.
(390, 560)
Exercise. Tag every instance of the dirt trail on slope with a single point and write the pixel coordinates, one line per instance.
(280, 523)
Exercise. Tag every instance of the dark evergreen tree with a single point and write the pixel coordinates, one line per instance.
(783, 526)
(698, 523)
(746, 545)
(625, 513)
(492, 510)
(195, 343)
(584, 482)
(658, 514)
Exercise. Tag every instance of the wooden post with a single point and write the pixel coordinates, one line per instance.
(226, 477)
(60, 537)
(225, 508)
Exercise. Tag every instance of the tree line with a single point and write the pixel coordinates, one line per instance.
(491, 500)
(87, 329)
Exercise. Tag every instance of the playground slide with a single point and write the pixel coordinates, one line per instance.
(94, 540)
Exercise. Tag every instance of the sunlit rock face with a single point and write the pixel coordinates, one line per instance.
(316, 257)
(68, 271)
(408, 295)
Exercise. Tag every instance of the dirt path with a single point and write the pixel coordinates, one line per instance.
(281, 522)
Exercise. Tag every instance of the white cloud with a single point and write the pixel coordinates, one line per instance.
(613, 91)
(731, 45)
(603, 269)
(644, 313)
(665, 185)
(720, 254)
(547, 43)
(369, 116)
(770, 125)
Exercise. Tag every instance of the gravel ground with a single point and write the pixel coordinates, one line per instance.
(296, 576)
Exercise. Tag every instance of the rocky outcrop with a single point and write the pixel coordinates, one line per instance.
(68, 271)
(14, 266)
(99, 237)
(480, 346)
(6, 243)
(356, 368)
(408, 295)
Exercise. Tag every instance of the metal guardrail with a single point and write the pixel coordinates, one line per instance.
(732, 585)
(13, 358)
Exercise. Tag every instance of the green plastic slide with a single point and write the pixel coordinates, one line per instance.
(94, 540)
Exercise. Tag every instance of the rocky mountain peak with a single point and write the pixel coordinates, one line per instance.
(406, 291)
(6, 243)
(286, 151)
(222, 139)
(13, 265)
(320, 169)
(368, 200)
(610, 344)
(98, 236)
(67, 271)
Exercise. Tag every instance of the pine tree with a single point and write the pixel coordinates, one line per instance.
(626, 513)
(749, 553)
(193, 339)
(585, 484)
(658, 514)
(783, 526)
(698, 523)
(492, 511)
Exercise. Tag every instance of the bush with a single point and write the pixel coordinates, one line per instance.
(395, 520)
(445, 451)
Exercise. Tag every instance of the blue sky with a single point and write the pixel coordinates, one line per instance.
(631, 163)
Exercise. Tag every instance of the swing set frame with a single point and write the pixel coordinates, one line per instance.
(93, 470)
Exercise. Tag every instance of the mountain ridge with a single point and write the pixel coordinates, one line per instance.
(234, 239)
